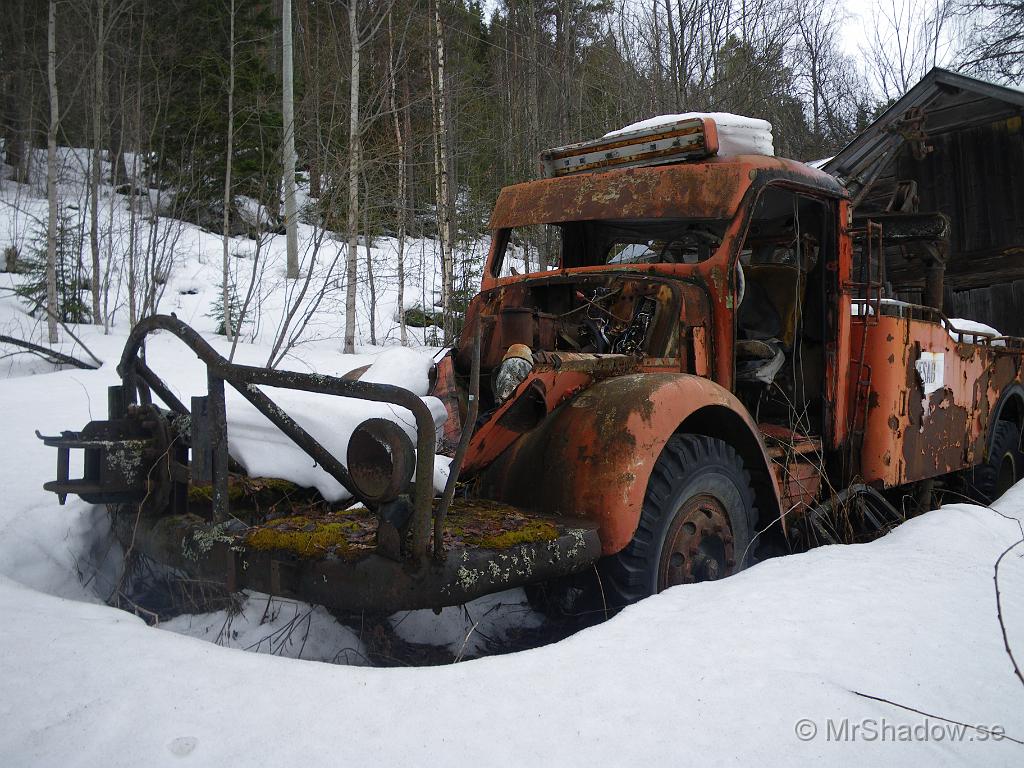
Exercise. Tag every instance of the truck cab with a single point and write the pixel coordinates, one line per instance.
(727, 299)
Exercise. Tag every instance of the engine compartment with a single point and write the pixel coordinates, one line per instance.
(627, 314)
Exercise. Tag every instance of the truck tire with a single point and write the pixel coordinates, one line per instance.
(696, 524)
(1003, 467)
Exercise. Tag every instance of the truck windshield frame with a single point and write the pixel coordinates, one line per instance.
(614, 243)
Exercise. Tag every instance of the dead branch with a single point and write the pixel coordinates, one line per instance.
(999, 609)
(53, 356)
(986, 731)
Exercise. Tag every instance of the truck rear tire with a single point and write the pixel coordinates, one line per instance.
(696, 523)
(1003, 468)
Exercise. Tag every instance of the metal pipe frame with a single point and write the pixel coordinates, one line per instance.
(139, 379)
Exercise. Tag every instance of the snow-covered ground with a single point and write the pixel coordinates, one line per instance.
(785, 664)
(738, 672)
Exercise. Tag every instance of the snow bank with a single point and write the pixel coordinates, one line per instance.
(265, 451)
(737, 135)
(721, 671)
(410, 367)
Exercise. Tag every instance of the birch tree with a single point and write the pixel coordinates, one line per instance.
(288, 113)
(352, 256)
(441, 165)
(94, 186)
(226, 264)
(358, 38)
(51, 175)
(402, 198)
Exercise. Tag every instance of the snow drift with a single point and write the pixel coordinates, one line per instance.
(722, 672)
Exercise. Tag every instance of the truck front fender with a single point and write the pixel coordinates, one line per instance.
(592, 457)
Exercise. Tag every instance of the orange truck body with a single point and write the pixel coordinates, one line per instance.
(905, 399)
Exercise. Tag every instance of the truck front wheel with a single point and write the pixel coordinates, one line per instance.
(696, 523)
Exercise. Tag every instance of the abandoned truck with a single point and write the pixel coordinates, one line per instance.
(708, 368)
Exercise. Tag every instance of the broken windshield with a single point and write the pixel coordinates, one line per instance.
(544, 247)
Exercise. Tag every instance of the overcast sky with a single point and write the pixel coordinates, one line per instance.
(860, 17)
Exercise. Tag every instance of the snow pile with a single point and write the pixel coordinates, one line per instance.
(737, 135)
(265, 451)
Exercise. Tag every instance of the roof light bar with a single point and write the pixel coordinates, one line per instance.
(689, 139)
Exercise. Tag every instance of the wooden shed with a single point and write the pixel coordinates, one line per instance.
(953, 145)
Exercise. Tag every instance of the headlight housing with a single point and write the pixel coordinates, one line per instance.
(515, 366)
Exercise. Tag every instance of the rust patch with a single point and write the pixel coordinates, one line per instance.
(939, 445)
(705, 190)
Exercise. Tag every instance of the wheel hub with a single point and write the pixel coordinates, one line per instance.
(698, 545)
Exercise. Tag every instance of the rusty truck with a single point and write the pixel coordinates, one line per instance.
(701, 366)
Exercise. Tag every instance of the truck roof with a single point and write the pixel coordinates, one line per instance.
(709, 189)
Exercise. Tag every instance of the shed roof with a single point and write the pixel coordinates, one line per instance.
(948, 101)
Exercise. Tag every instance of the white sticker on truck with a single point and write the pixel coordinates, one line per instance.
(931, 368)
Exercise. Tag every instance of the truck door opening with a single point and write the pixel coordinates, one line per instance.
(780, 319)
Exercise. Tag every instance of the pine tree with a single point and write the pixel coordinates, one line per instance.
(72, 281)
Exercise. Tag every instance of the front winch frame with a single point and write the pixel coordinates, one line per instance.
(207, 427)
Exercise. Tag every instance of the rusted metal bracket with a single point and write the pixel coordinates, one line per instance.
(460, 452)
(209, 429)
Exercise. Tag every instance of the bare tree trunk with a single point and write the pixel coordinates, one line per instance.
(133, 236)
(94, 185)
(134, 185)
(402, 200)
(677, 96)
(225, 265)
(288, 110)
(443, 194)
(410, 181)
(352, 257)
(51, 176)
(369, 265)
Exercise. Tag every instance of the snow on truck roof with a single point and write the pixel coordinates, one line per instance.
(661, 140)
(737, 134)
